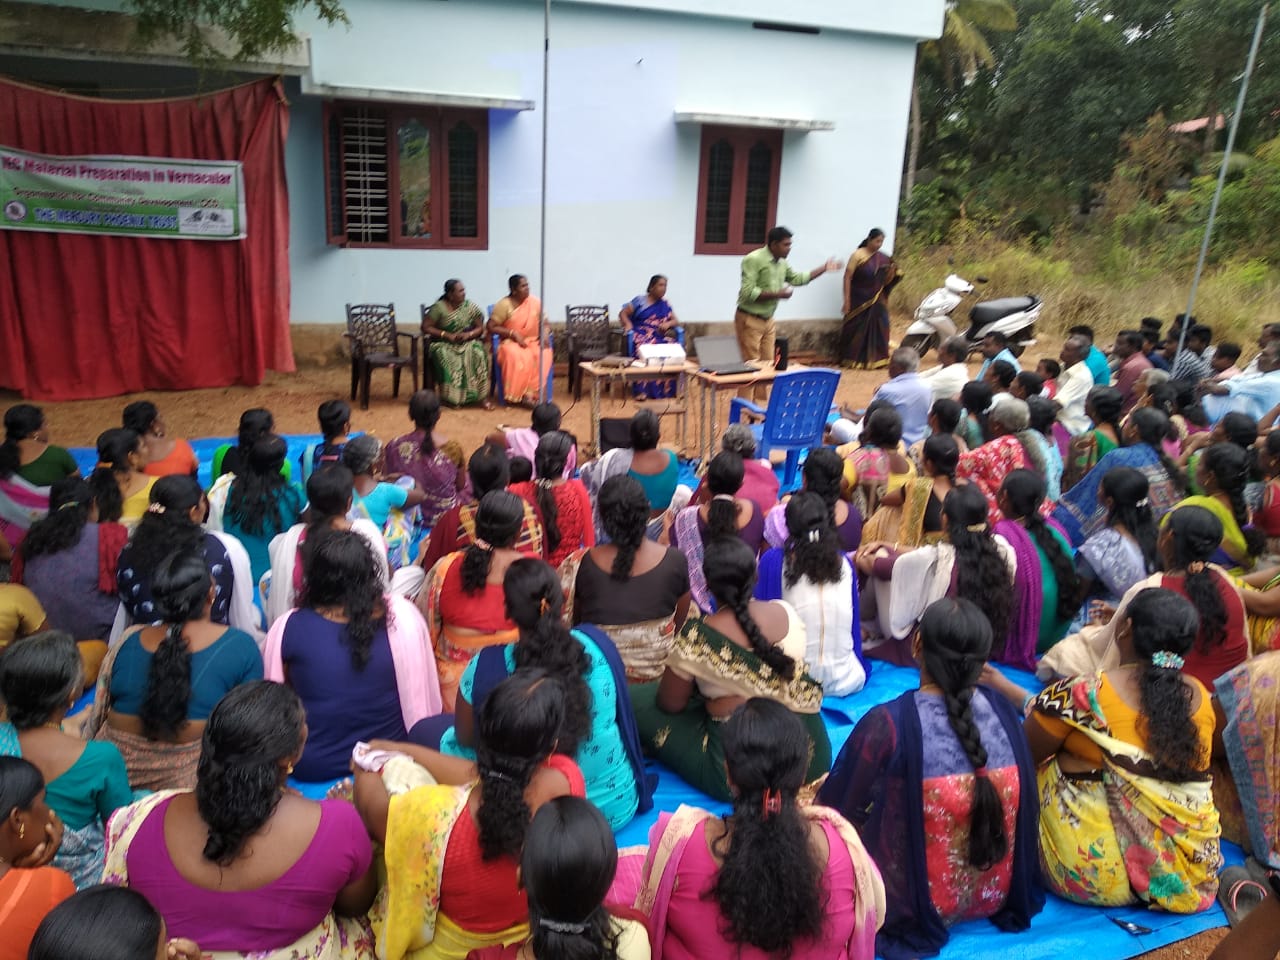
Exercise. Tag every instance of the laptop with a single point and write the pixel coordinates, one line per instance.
(720, 355)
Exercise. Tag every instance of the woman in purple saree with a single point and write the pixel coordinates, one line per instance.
(650, 319)
(868, 278)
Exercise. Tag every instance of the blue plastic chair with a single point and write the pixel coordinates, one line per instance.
(795, 418)
(496, 379)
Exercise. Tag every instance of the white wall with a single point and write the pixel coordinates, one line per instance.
(622, 182)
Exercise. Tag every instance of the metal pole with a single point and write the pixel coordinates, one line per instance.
(1222, 172)
(542, 243)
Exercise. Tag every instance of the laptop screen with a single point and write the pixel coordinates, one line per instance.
(717, 351)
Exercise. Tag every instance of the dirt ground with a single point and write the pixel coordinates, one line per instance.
(294, 397)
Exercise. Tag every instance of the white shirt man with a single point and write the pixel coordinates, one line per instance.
(1074, 384)
(951, 373)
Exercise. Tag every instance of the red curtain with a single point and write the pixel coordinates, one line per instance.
(89, 316)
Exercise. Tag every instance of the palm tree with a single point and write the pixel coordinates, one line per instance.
(961, 50)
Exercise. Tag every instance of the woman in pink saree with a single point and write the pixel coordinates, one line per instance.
(524, 361)
(774, 875)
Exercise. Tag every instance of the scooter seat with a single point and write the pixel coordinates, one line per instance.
(989, 311)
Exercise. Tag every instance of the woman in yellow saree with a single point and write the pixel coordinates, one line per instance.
(524, 361)
(452, 846)
(1126, 801)
(1222, 472)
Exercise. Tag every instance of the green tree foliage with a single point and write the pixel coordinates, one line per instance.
(255, 28)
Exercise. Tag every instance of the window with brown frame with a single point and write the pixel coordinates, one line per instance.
(737, 188)
(406, 176)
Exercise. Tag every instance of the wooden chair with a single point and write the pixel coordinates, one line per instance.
(375, 342)
(586, 329)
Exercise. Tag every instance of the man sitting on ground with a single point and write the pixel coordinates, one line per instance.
(1095, 358)
(951, 373)
(1224, 362)
(1190, 363)
(1128, 350)
(995, 346)
(908, 393)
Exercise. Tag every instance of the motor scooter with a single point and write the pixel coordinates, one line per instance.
(1015, 317)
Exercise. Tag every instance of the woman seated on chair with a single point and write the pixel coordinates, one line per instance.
(523, 360)
(68, 560)
(242, 865)
(165, 454)
(970, 851)
(173, 521)
(725, 514)
(632, 588)
(650, 319)
(453, 845)
(456, 351)
(159, 685)
(747, 648)
(776, 877)
(1126, 799)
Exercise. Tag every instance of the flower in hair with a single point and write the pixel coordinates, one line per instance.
(557, 926)
(156, 508)
(1166, 660)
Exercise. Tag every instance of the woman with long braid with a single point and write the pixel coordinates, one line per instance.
(159, 685)
(970, 850)
(1126, 799)
(453, 846)
(635, 590)
(599, 731)
(563, 505)
(774, 878)
(747, 648)
(823, 474)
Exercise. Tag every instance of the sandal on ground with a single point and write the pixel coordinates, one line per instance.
(1239, 893)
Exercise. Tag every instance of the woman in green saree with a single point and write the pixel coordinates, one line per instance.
(456, 350)
(747, 648)
(1222, 473)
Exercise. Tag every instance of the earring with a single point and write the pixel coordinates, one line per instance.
(22, 830)
(289, 771)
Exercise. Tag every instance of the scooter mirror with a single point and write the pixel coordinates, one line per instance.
(979, 279)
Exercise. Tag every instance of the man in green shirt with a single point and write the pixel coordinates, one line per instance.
(766, 279)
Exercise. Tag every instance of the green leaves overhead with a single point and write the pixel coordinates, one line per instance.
(254, 29)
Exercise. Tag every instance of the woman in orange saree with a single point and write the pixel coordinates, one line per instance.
(524, 361)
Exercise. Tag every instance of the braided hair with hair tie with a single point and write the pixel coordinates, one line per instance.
(498, 523)
(729, 566)
(955, 642)
(624, 513)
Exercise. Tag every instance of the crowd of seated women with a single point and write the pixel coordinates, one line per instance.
(482, 669)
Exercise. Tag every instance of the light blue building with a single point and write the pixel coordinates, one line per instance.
(678, 133)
